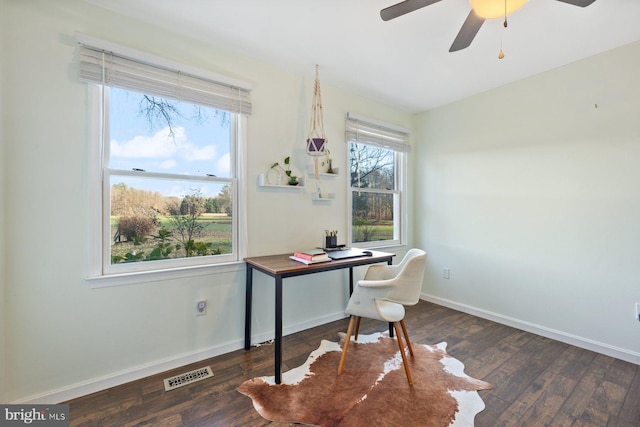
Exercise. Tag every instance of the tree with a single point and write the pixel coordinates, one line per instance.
(127, 200)
(211, 205)
(372, 167)
(224, 200)
(186, 225)
(192, 204)
(165, 111)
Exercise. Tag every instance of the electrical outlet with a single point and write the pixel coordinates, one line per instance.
(446, 273)
(638, 311)
(201, 308)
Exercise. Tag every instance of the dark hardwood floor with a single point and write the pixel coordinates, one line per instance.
(537, 381)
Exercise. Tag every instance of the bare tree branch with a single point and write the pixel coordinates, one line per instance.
(166, 112)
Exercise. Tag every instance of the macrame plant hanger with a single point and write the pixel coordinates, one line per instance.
(316, 140)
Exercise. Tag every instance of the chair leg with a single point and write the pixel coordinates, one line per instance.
(346, 344)
(406, 336)
(358, 327)
(404, 357)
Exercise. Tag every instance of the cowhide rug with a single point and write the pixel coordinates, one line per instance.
(372, 389)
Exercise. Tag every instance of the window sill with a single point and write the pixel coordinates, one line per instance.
(380, 245)
(159, 275)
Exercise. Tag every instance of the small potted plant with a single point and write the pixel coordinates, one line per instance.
(293, 180)
(329, 165)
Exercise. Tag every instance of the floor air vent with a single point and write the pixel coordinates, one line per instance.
(187, 378)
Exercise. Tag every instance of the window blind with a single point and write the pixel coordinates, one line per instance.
(123, 70)
(367, 131)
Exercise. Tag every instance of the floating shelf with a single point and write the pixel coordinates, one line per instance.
(336, 172)
(264, 182)
(323, 197)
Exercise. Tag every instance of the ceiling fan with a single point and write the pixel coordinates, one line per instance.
(480, 11)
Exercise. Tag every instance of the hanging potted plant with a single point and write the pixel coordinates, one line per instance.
(316, 139)
(292, 179)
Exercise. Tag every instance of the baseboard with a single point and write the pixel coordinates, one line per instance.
(582, 342)
(156, 367)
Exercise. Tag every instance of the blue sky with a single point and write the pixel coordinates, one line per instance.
(197, 147)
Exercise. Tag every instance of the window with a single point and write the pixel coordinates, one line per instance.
(170, 178)
(377, 159)
(169, 163)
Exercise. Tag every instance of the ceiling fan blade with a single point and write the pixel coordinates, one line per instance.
(581, 3)
(403, 8)
(468, 32)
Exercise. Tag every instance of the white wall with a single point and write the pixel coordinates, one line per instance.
(62, 337)
(530, 195)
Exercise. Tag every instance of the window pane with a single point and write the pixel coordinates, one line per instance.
(372, 167)
(161, 135)
(372, 216)
(154, 219)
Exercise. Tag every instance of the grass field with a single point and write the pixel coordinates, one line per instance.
(217, 230)
(373, 231)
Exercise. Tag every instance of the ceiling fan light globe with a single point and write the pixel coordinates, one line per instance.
(490, 9)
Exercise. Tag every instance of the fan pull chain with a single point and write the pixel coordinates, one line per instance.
(505, 14)
(501, 54)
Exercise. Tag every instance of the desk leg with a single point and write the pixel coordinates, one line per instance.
(247, 307)
(390, 323)
(278, 338)
(350, 280)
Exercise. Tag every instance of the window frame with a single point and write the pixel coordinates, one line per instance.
(399, 192)
(101, 273)
(108, 267)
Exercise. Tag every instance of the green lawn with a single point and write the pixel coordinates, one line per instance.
(217, 230)
(372, 231)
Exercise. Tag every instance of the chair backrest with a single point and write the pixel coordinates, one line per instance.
(408, 281)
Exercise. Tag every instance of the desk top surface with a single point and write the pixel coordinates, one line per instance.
(282, 264)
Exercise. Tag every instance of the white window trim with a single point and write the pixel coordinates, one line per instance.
(400, 192)
(402, 216)
(96, 277)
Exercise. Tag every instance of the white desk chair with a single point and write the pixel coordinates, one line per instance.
(382, 295)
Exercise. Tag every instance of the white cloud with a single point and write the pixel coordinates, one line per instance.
(168, 164)
(192, 153)
(169, 153)
(159, 145)
(223, 165)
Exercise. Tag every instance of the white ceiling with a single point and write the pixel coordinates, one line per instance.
(404, 62)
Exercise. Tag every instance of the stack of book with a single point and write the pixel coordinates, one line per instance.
(311, 256)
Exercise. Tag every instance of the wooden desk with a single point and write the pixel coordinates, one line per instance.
(280, 267)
